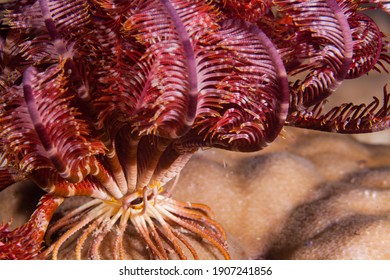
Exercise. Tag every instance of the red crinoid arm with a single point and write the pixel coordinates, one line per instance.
(249, 10)
(25, 242)
(49, 31)
(54, 183)
(324, 26)
(367, 48)
(167, 77)
(370, 49)
(170, 164)
(44, 130)
(48, 22)
(57, 18)
(346, 118)
(243, 91)
(9, 176)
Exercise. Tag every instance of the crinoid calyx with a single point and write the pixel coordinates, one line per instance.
(110, 98)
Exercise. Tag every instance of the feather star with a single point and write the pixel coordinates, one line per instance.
(109, 99)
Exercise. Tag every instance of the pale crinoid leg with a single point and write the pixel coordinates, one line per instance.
(164, 224)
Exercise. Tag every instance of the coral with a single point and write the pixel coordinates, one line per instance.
(311, 196)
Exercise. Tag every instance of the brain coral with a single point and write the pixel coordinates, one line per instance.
(312, 196)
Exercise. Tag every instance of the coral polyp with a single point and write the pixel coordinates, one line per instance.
(109, 99)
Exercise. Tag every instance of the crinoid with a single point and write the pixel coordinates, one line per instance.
(108, 99)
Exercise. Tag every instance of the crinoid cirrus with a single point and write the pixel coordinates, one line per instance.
(108, 99)
(157, 218)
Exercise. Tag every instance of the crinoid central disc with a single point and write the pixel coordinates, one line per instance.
(164, 224)
(142, 197)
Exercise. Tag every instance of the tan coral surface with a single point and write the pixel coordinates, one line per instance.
(309, 195)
